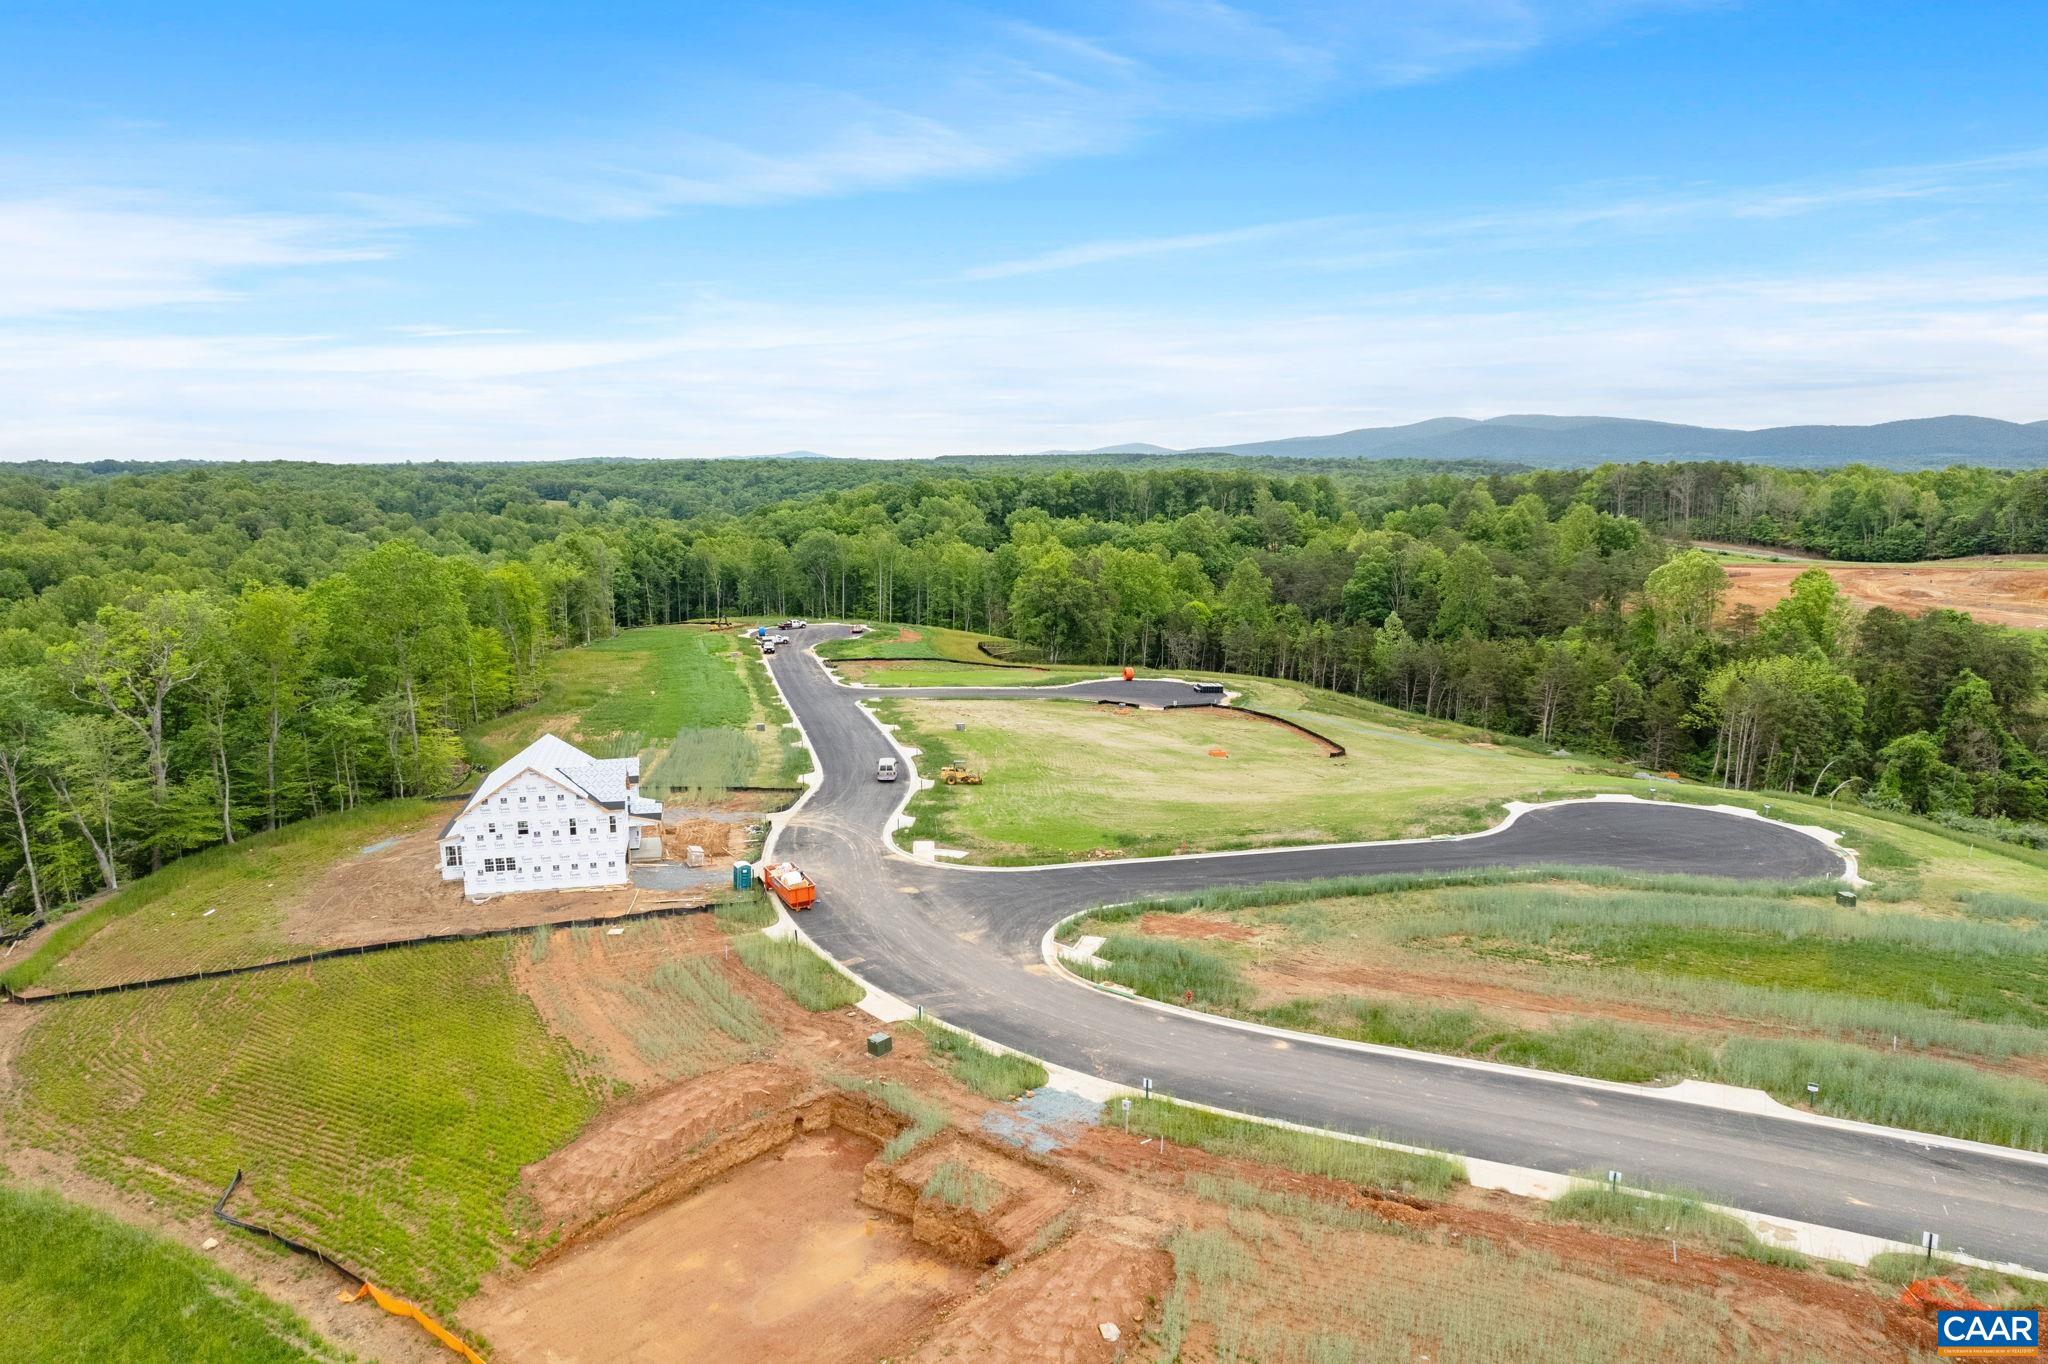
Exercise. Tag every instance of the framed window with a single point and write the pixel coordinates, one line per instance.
(614, 819)
(453, 855)
(572, 826)
(493, 827)
(522, 828)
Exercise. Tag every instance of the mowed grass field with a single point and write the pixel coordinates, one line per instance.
(219, 908)
(381, 1107)
(691, 701)
(912, 642)
(1903, 1013)
(76, 1285)
(1066, 780)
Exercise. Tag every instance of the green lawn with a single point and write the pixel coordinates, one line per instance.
(76, 1285)
(630, 693)
(160, 925)
(912, 642)
(693, 702)
(1066, 780)
(1631, 979)
(382, 1107)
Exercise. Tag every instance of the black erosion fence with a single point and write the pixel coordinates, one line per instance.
(359, 950)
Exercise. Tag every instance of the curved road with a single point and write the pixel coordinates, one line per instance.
(965, 943)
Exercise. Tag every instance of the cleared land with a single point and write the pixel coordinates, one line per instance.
(436, 1085)
(2002, 589)
(60, 1265)
(767, 1264)
(337, 881)
(1068, 780)
(1903, 1014)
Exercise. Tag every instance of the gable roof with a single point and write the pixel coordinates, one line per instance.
(604, 781)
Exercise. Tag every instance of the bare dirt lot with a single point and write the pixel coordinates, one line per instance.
(391, 889)
(2002, 590)
(778, 1261)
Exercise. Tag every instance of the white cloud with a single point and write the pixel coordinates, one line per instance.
(1136, 248)
(869, 381)
(1364, 242)
(86, 253)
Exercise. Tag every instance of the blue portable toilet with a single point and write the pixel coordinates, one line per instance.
(742, 875)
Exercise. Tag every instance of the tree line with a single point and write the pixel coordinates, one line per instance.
(189, 654)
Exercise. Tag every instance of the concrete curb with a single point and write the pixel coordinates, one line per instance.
(1808, 1238)
(1699, 1093)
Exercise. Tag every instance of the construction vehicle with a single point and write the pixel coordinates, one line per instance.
(955, 775)
(796, 890)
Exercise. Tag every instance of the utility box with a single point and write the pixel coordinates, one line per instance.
(1846, 898)
(880, 1044)
(694, 855)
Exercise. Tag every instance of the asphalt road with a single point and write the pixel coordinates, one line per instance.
(965, 943)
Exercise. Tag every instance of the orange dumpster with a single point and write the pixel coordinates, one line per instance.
(797, 890)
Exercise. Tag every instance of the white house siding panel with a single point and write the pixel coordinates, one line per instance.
(534, 832)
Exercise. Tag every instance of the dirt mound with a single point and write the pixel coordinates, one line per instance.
(969, 1202)
(627, 1158)
(1052, 1307)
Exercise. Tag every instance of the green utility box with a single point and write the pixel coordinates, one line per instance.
(880, 1044)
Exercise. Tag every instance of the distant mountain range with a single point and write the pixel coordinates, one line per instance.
(1570, 442)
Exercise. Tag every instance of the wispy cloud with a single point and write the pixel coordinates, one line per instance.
(1134, 248)
(96, 252)
(1369, 241)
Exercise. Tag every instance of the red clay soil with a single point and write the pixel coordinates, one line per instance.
(1988, 588)
(630, 1148)
(1856, 1322)
(1052, 1308)
(776, 1262)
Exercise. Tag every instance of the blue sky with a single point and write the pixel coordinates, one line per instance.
(390, 231)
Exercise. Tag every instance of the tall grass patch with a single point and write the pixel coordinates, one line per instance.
(923, 1118)
(1164, 968)
(1674, 1216)
(993, 1075)
(1357, 1162)
(803, 975)
(962, 1186)
(1900, 1091)
(77, 1285)
(703, 764)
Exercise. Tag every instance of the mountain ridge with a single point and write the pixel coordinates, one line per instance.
(1549, 441)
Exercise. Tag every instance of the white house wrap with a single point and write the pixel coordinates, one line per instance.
(547, 818)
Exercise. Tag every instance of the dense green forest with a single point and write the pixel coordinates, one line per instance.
(188, 653)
